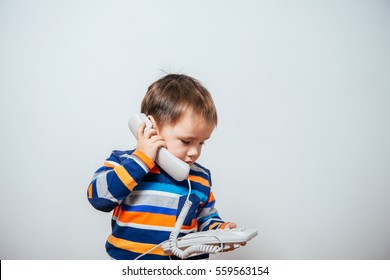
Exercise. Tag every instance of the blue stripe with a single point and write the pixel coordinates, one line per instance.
(150, 209)
(103, 168)
(116, 187)
(119, 254)
(199, 194)
(149, 186)
(203, 219)
(152, 236)
(210, 204)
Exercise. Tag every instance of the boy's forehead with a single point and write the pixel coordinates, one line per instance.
(189, 117)
(193, 126)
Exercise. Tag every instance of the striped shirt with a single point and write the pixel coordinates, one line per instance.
(146, 202)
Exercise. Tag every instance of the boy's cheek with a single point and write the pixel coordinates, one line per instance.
(177, 152)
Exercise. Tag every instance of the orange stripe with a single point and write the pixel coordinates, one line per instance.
(107, 164)
(214, 225)
(155, 170)
(125, 177)
(147, 219)
(211, 197)
(90, 191)
(150, 219)
(116, 211)
(223, 225)
(200, 180)
(144, 158)
(134, 246)
(194, 225)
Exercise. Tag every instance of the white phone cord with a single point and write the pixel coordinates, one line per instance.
(183, 254)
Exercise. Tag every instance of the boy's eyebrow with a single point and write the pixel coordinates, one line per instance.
(193, 138)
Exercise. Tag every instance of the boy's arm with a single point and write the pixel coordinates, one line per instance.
(209, 219)
(117, 178)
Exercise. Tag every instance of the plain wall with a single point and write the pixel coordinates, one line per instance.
(301, 151)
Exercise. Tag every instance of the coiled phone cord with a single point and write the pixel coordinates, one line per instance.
(201, 248)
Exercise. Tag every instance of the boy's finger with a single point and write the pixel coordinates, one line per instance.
(141, 129)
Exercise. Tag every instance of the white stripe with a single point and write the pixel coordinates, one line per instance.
(206, 212)
(140, 163)
(102, 187)
(161, 193)
(125, 156)
(152, 200)
(197, 168)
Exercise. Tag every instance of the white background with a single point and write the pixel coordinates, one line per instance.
(301, 152)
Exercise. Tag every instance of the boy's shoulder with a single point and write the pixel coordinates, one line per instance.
(119, 155)
(201, 169)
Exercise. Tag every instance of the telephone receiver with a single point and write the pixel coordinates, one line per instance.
(175, 167)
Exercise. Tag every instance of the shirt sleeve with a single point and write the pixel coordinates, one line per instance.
(117, 178)
(208, 217)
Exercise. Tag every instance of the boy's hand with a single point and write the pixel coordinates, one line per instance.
(231, 225)
(232, 247)
(149, 142)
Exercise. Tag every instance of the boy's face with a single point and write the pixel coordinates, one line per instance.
(186, 138)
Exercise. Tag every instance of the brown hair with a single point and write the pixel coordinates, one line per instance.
(170, 96)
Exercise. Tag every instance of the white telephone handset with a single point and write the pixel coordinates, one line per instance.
(175, 167)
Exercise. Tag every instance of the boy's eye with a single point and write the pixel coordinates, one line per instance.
(188, 142)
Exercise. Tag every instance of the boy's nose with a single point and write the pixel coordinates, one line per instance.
(193, 152)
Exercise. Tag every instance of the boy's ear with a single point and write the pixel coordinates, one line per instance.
(153, 121)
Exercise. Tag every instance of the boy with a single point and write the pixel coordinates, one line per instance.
(145, 199)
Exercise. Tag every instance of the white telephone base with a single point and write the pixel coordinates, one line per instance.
(229, 238)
